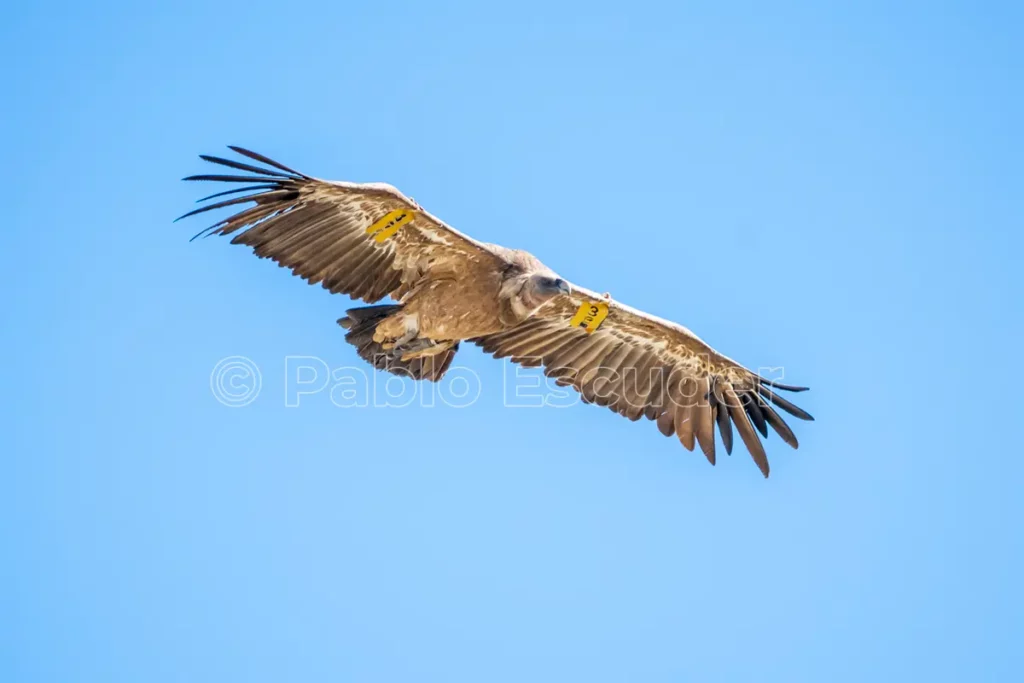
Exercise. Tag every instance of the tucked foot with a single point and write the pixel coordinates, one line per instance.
(423, 348)
(396, 331)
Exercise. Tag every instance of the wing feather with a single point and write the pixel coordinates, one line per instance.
(704, 425)
(666, 423)
(746, 429)
(722, 417)
(686, 413)
(779, 425)
(750, 404)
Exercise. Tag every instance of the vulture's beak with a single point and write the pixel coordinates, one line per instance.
(563, 286)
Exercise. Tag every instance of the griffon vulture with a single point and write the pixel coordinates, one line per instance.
(370, 241)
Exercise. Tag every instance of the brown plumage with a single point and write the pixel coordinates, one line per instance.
(371, 242)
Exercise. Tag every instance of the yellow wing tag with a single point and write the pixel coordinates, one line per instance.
(390, 223)
(590, 315)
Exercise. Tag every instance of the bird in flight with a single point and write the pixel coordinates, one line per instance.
(370, 241)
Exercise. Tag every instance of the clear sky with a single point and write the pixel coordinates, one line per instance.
(833, 190)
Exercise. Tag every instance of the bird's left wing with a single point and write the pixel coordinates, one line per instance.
(637, 364)
(367, 240)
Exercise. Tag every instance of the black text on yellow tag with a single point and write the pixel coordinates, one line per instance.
(590, 315)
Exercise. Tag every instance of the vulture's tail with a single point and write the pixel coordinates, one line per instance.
(361, 324)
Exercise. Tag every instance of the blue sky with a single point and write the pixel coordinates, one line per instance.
(835, 190)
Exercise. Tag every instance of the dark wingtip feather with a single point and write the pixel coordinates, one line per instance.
(746, 429)
(243, 167)
(227, 178)
(780, 426)
(236, 190)
(201, 233)
(750, 404)
(220, 205)
(785, 405)
(779, 385)
(724, 424)
(270, 162)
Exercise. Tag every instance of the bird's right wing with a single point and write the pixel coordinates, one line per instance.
(367, 240)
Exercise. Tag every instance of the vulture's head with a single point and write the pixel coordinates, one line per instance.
(539, 289)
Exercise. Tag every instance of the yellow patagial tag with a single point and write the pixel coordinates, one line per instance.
(590, 315)
(390, 224)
